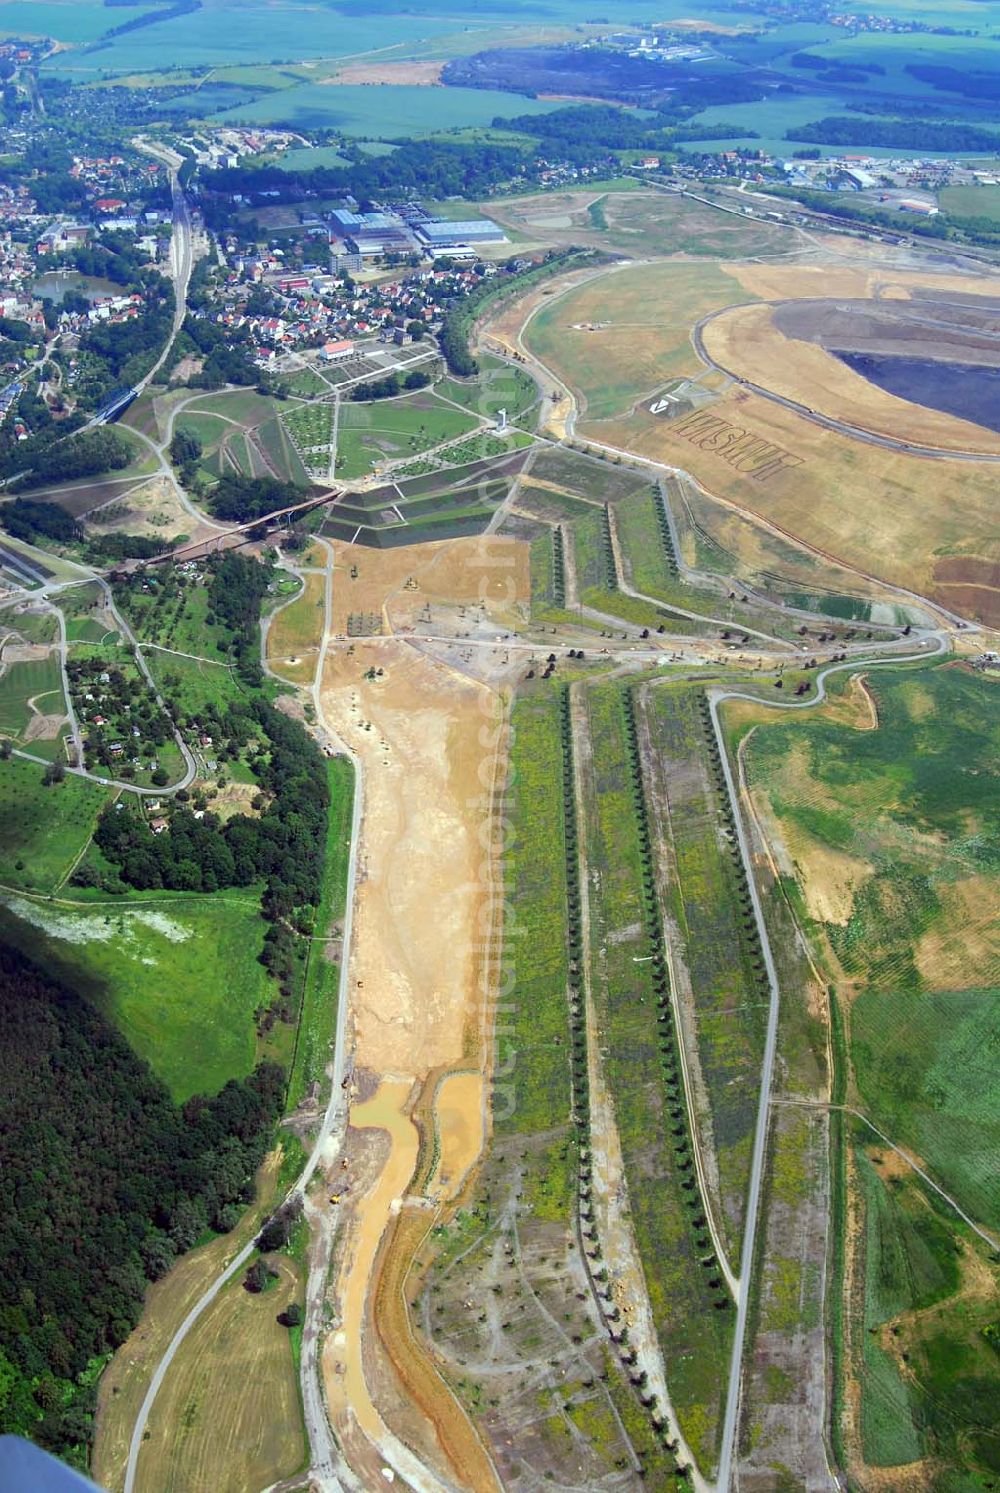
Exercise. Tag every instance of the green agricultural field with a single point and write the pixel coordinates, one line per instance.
(242, 406)
(499, 386)
(33, 627)
(208, 429)
(713, 937)
(971, 202)
(44, 830)
(593, 557)
(193, 683)
(306, 384)
(179, 976)
(588, 476)
(694, 1335)
(280, 451)
(89, 630)
(649, 565)
(894, 838)
(929, 1378)
(535, 1098)
(549, 505)
(393, 429)
(900, 825)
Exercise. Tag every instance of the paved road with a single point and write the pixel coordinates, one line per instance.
(181, 246)
(716, 697)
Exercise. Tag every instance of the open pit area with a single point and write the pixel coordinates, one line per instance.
(735, 373)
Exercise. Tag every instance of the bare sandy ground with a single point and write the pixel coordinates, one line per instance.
(431, 742)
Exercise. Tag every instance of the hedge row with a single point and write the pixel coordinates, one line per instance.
(558, 568)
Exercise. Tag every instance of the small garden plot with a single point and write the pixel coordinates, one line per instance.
(310, 427)
(169, 606)
(371, 435)
(32, 703)
(44, 827)
(483, 446)
(306, 384)
(125, 733)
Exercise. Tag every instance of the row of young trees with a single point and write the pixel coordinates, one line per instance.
(666, 534)
(106, 1182)
(580, 1090)
(558, 567)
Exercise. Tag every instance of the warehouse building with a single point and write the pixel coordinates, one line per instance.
(439, 233)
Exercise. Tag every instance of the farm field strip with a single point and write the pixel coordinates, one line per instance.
(715, 945)
(632, 1000)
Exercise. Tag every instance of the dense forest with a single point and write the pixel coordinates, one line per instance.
(242, 499)
(86, 455)
(952, 80)
(30, 521)
(895, 134)
(388, 388)
(579, 132)
(106, 1181)
(607, 73)
(429, 166)
(236, 591)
